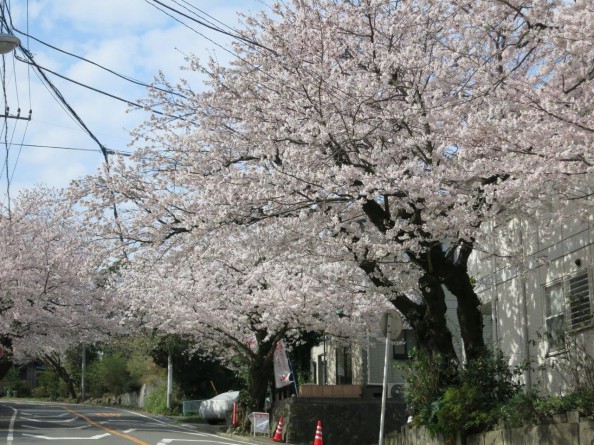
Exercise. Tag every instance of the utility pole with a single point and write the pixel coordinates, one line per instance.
(83, 372)
(169, 381)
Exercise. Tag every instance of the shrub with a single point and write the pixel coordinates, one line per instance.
(156, 402)
(425, 386)
(48, 385)
(109, 375)
(521, 410)
(13, 382)
(448, 398)
(582, 401)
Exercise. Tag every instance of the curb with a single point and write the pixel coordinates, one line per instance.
(257, 440)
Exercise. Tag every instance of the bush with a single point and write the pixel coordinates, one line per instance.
(521, 410)
(48, 385)
(156, 402)
(582, 401)
(424, 386)
(448, 398)
(12, 382)
(474, 405)
(109, 375)
(530, 408)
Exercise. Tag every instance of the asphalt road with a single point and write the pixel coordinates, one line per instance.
(28, 423)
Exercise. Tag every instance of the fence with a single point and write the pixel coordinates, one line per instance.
(191, 406)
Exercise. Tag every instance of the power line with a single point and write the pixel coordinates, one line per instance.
(121, 76)
(214, 28)
(97, 90)
(58, 147)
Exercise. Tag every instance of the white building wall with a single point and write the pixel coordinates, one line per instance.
(517, 298)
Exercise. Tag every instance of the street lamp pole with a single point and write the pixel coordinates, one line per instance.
(83, 373)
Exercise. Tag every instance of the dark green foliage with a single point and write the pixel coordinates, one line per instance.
(530, 408)
(448, 398)
(109, 375)
(426, 381)
(521, 410)
(299, 350)
(12, 382)
(197, 376)
(156, 402)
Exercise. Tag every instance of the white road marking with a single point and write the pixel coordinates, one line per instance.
(99, 436)
(131, 430)
(10, 435)
(50, 421)
(209, 441)
(45, 417)
(64, 428)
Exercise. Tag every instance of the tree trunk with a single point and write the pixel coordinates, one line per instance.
(261, 371)
(6, 359)
(432, 332)
(469, 315)
(55, 363)
(451, 268)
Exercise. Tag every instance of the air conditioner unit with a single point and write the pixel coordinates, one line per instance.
(396, 391)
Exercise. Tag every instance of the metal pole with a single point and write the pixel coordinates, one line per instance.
(385, 385)
(169, 381)
(83, 373)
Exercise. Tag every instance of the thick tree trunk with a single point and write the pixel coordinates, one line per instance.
(6, 359)
(469, 315)
(261, 371)
(428, 319)
(452, 272)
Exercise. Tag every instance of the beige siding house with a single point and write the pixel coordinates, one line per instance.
(333, 363)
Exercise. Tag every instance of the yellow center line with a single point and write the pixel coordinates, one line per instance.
(109, 430)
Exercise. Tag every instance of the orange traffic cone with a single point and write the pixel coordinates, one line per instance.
(278, 434)
(318, 438)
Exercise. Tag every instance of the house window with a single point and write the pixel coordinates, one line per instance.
(567, 308)
(403, 347)
(579, 301)
(344, 366)
(321, 380)
(555, 316)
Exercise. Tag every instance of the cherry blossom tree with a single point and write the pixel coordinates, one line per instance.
(50, 279)
(391, 130)
(240, 291)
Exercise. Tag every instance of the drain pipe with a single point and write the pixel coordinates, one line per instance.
(525, 331)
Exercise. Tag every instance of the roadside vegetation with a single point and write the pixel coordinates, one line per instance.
(486, 393)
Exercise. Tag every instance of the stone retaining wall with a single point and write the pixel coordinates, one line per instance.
(345, 421)
(128, 400)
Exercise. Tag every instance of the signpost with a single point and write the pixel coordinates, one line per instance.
(391, 326)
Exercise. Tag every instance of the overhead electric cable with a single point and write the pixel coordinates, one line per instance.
(58, 147)
(62, 99)
(214, 28)
(20, 150)
(194, 30)
(201, 17)
(115, 73)
(105, 93)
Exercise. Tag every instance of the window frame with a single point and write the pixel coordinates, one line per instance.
(569, 325)
(554, 346)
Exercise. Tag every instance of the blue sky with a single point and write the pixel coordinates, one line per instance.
(130, 37)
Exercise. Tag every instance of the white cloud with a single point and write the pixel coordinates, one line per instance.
(130, 37)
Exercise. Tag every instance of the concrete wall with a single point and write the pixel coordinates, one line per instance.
(572, 433)
(344, 421)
